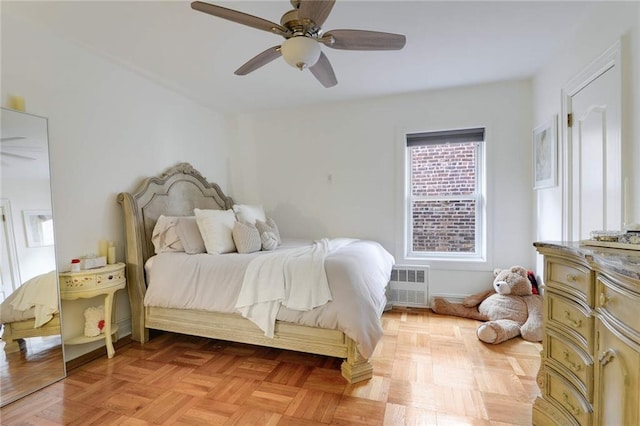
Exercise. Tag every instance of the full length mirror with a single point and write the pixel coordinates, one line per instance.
(31, 353)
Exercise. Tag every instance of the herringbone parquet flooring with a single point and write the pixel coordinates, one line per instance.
(428, 370)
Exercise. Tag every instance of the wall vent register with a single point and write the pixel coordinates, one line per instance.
(408, 286)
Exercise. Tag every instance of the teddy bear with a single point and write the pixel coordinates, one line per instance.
(509, 309)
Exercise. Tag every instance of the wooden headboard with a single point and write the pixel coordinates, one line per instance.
(174, 193)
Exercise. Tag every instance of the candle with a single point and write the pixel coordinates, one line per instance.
(17, 103)
(111, 256)
(103, 247)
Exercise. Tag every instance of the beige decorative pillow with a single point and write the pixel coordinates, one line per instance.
(164, 236)
(216, 227)
(269, 241)
(246, 237)
(269, 226)
(189, 234)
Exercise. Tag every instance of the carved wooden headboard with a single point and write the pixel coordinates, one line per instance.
(174, 193)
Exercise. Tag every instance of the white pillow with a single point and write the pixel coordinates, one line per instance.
(249, 213)
(216, 229)
(164, 236)
(246, 237)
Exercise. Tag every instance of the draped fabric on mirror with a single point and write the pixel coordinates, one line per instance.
(31, 354)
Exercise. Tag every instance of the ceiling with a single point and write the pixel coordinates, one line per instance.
(449, 43)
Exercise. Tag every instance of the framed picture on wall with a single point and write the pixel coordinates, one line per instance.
(545, 154)
(38, 227)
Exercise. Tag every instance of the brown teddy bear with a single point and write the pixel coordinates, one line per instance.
(510, 309)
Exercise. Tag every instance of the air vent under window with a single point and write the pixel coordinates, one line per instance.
(409, 286)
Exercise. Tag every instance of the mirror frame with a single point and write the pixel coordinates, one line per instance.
(17, 127)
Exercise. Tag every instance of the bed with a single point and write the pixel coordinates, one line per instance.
(30, 311)
(177, 192)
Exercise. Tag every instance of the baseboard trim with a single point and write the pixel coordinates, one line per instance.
(96, 354)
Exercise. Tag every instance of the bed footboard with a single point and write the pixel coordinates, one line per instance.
(14, 333)
(355, 368)
(235, 328)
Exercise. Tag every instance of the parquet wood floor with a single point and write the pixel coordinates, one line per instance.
(428, 370)
(37, 364)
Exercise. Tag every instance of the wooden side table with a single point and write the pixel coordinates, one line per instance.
(91, 283)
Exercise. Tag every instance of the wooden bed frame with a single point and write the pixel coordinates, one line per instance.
(176, 193)
(14, 332)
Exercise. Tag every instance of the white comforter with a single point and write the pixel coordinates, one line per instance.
(36, 298)
(357, 273)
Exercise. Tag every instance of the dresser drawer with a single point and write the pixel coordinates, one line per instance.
(93, 279)
(573, 359)
(77, 281)
(565, 395)
(567, 315)
(622, 304)
(110, 278)
(570, 276)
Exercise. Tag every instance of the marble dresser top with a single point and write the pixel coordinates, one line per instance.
(624, 262)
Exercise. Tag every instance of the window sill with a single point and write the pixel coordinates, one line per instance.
(457, 264)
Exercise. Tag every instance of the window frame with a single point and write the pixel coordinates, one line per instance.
(479, 256)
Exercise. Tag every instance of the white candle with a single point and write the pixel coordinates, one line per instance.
(111, 257)
(103, 246)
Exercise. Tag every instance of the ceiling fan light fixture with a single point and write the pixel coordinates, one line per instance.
(301, 52)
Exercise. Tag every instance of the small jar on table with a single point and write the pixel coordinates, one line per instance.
(91, 283)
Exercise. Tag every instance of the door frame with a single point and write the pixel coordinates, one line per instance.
(608, 61)
(12, 254)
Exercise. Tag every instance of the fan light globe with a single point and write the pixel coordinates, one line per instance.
(301, 52)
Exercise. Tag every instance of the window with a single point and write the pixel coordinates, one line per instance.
(445, 195)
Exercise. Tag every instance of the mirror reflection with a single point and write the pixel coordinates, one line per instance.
(31, 354)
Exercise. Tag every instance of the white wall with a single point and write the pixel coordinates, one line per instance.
(108, 128)
(331, 170)
(610, 22)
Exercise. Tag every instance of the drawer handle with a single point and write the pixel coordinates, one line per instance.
(572, 322)
(572, 365)
(604, 299)
(575, 411)
(572, 278)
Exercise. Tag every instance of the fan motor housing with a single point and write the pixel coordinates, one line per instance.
(291, 21)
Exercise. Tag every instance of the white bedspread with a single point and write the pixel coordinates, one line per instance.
(36, 298)
(294, 278)
(357, 272)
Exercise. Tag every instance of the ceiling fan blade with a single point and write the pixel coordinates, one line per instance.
(12, 138)
(259, 60)
(323, 71)
(316, 10)
(22, 157)
(239, 17)
(363, 40)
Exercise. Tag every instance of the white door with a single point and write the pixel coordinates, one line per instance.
(595, 152)
(9, 273)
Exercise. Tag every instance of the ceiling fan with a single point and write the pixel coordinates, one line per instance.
(12, 154)
(302, 29)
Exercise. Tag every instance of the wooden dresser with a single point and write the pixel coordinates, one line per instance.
(590, 367)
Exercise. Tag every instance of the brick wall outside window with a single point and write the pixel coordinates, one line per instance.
(444, 170)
